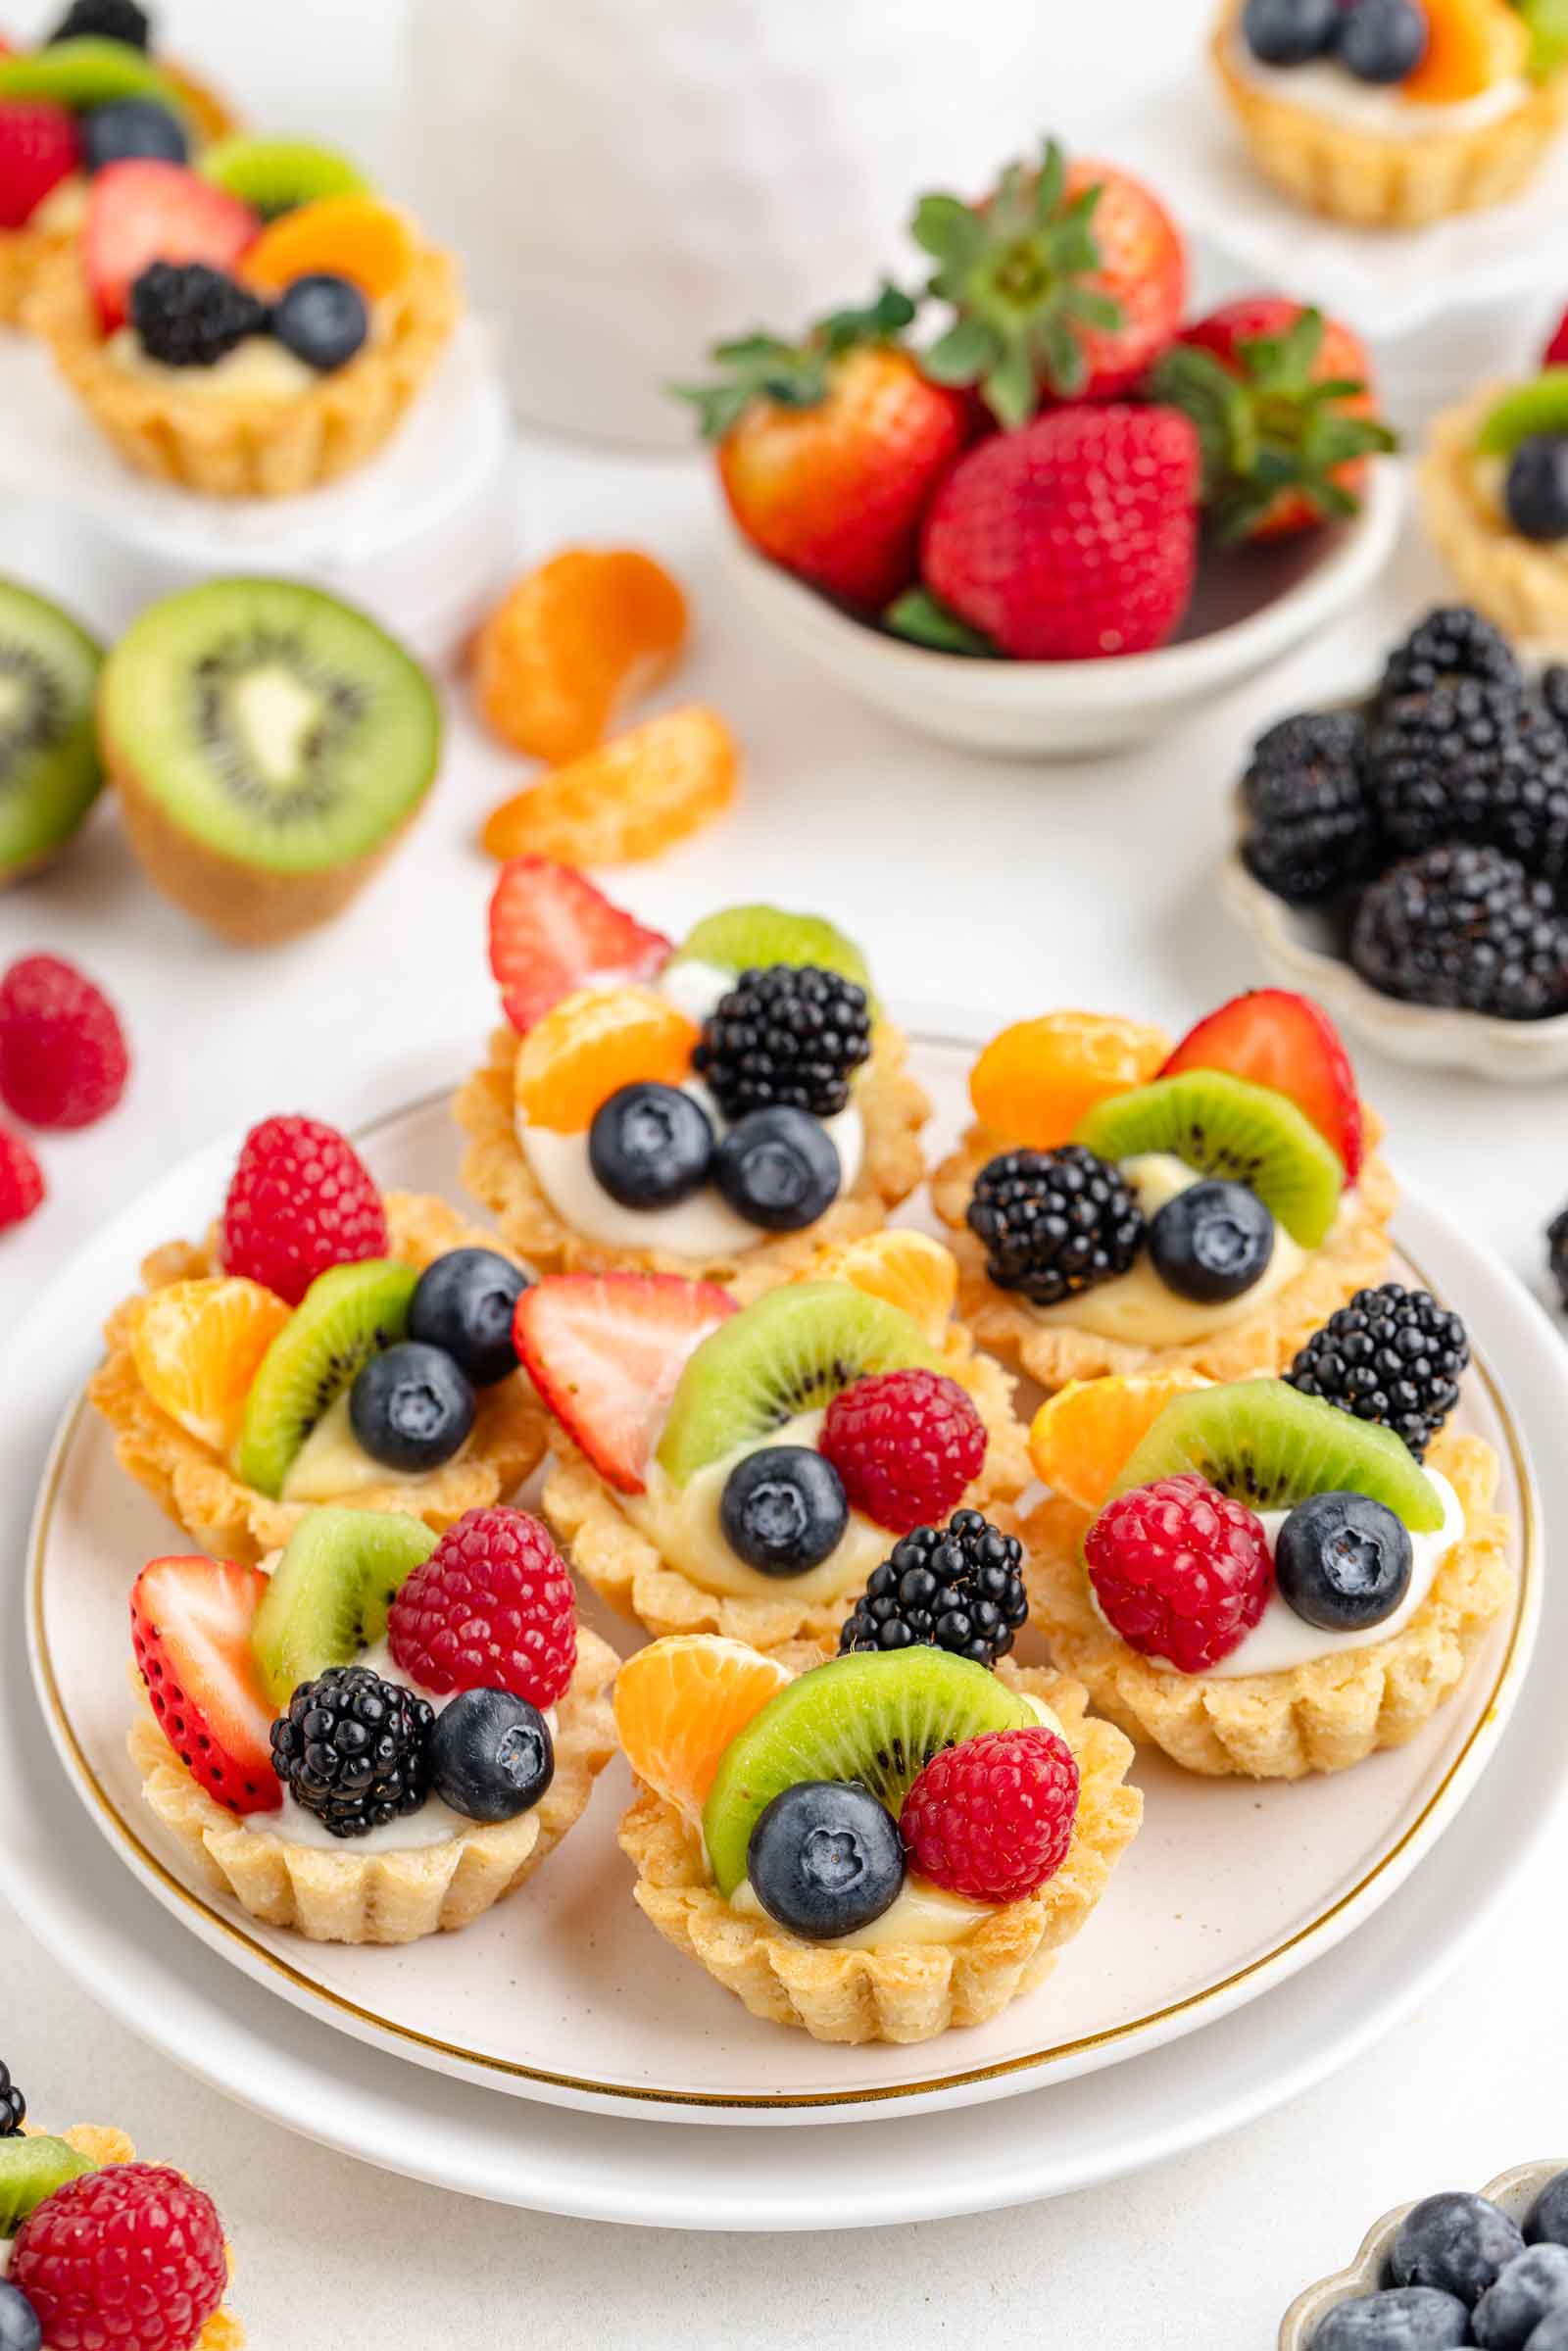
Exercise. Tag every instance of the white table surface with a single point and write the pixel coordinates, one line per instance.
(1008, 888)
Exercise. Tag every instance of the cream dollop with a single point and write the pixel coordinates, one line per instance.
(258, 368)
(1325, 88)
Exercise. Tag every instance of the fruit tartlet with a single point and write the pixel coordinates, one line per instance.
(97, 2247)
(1493, 488)
(1394, 113)
(323, 1343)
(744, 1469)
(1119, 1207)
(878, 1847)
(716, 1109)
(1262, 1579)
(379, 1731)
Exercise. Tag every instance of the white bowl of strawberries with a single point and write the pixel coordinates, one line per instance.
(1069, 518)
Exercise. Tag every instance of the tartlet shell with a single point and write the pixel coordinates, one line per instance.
(1517, 582)
(103, 2146)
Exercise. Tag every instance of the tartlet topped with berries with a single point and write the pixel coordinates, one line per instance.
(323, 1343)
(1494, 486)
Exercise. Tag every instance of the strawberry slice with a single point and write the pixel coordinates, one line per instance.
(606, 1352)
(145, 211)
(38, 149)
(1278, 1039)
(190, 1624)
(551, 931)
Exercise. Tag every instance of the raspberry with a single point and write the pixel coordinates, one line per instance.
(301, 1200)
(492, 1608)
(906, 1444)
(63, 1059)
(132, 2256)
(993, 1819)
(21, 1180)
(1180, 1571)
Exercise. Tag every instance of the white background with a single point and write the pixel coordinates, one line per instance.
(1004, 888)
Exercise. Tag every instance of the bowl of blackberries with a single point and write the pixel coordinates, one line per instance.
(1490, 2270)
(1404, 855)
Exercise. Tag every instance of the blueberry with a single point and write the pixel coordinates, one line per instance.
(1537, 488)
(1508, 2313)
(1287, 32)
(1553, 2332)
(322, 320)
(783, 1509)
(491, 1755)
(1457, 2242)
(1547, 2223)
(778, 1168)
(411, 1407)
(1382, 40)
(1213, 1241)
(651, 1146)
(1412, 2317)
(129, 128)
(825, 1859)
(1343, 1562)
(465, 1304)
(20, 2325)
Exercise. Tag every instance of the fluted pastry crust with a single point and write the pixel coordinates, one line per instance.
(1520, 583)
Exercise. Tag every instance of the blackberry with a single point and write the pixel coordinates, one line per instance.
(1558, 1253)
(13, 2105)
(189, 315)
(957, 1586)
(1056, 1222)
(103, 21)
(1311, 829)
(1476, 763)
(1454, 641)
(1466, 928)
(354, 1749)
(789, 1035)
(1392, 1355)
(1554, 692)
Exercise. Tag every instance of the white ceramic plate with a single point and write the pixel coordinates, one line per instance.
(566, 1994)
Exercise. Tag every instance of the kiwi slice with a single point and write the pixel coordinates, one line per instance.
(1226, 1126)
(1539, 406)
(751, 938)
(274, 176)
(1548, 24)
(877, 1717)
(31, 2169)
(1264, 1442)
(330, 1592)
(85, 73)
(49, 769)
(348, 1314)
(790, 1351)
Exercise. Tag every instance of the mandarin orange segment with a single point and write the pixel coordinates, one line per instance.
(1472, 45)
(909, 1270)
(1083, 1436)
(208, 112)
(631, 798)
(591, 1043)
(352, 236)
(573, 644)
(681, 1701)
(1037, 1079)
(197, 1346)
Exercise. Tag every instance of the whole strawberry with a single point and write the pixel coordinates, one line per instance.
(38, 149)
(63, 1059)
(1073, 539)
(301, 1200)
(130, 2256)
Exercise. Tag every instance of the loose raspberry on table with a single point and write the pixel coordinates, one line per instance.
(492, 1608)
(1180, 1570)
(63, 1057)
(21, 1180)
(906, 1444)
(993, 1819)
(130, 2256)
(301, 1200)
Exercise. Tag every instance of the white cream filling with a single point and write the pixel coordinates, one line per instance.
(1323, 88)
(64, 210)
(258, 368)
(333, 1464)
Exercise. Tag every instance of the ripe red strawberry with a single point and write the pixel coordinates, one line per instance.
(190, 1624)
(551, 931)
(145, 211)
(38, 149)
(1072, 539)
(300, 1199)
(992, 1818)
(906, 1444)
(1286, 411)
(63, 1059)
(1180, 1570)
(1275, 1038)
(21, 1184)
(130, 2256)
(1556, 354)
(606, 1350)
(492, 1608)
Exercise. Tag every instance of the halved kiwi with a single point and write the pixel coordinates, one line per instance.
(1226, 1126)
(49, 767)
(751, 938)
(31, 2169)
(274, 176)
(269, 743)
(1539, 406)
(1265, 1443)
(330, 1592)
(85, 73)
(790, 1351)
(348, 1314)
(876, 1717)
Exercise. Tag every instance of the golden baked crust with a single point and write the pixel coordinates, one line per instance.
(1352, 173)
(905, 1993)
(252, 448)
(24, 254)
(201, 1492)
(350, 1897)
(104, 2147)
(894, 1107)
(1353, 1256)
(1519, 583)
(1321, 1717)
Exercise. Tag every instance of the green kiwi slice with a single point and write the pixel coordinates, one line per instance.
(348, 1314)
(85, 73)
(31, 2169)
(1226, 1126)
(274, 176)
(49, 767)
(1264, 1443)
(790, 1351)
(1548, 22)
(330, 1592)
(876, 1717)
(751, 938)
(1539, 406)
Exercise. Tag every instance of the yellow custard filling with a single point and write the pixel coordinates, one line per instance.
(258, 368)
(332, 1465)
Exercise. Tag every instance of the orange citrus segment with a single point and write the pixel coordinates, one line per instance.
(208, 112)
(1037, 1079)
(571, 644)
(629, 799)
(1083, 1436)
(197, 1345)
(679, 1703)
(590, 1045)
(909, 1270)
(1472, 45)
(352, 236)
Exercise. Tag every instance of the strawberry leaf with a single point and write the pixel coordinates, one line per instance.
(793, 375)
(917, 615)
